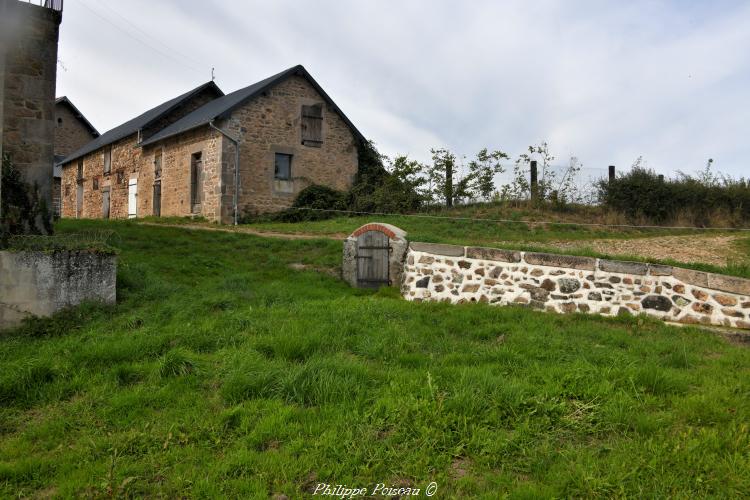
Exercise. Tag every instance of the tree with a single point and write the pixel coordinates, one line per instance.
(441, 175)
(483, 170)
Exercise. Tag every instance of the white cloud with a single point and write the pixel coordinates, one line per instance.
(606, 81)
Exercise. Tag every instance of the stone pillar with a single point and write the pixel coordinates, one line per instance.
(381, 248)
(29, 73)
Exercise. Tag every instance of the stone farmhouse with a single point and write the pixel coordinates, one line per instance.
(72, 132)
(217, 156)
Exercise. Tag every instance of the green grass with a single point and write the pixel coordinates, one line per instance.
(223, 373)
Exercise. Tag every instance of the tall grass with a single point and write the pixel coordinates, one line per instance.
(221, 372)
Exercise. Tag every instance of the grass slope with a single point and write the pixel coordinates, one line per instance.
(224, 373)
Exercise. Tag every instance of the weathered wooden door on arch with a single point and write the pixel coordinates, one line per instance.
(373, 252)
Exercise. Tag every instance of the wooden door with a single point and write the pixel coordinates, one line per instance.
(105, 203)
(373, 252)
(79, 200)
(157, 198)
(132, 198)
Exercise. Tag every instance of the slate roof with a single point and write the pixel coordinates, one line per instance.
(133, 126)
(64, 100)
(223, 106)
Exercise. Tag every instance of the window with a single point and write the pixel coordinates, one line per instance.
(79, 174)
(120, 177)
(95, 183)
(157, 163)
(283, 167)
(59, 121)
(67, 190)
(195, 177)
(107, 159)
(312, 125)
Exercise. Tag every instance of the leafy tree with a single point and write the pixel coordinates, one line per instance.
(441, 175)
(483, 170)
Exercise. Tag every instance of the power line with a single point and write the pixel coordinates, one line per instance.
(513, 221)
(131, 35)
(148, 35)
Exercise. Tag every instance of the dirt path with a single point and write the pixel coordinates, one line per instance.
(716, 250)
(255, 232)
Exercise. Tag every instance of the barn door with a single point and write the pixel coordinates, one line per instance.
(79, 200)
(157, 198)
(373, 252)
(132, 198)
(105, 203)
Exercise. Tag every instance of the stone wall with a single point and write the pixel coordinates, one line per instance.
(29, 46)
(129, 161)
(126, 161)
(41, 283)
(70, 133)
(565, 284)
(175, 177)
(271, 124)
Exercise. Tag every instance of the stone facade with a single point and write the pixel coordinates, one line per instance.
(28, 66)
(41, 283)
(265, 125)
(271, 124)
(565, 284)
(126, 158)
(129, 161)
(70, 132)
(176, 155)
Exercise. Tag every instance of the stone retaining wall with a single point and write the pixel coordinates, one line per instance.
(41, 283)
(565, 284)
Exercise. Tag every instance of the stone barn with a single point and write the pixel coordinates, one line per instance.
(217, 157)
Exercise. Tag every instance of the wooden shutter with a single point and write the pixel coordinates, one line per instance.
(312, 125)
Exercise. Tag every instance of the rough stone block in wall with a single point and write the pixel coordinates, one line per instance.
(564, 284)
(272, 124)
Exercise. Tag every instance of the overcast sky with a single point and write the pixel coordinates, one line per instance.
(605, 81)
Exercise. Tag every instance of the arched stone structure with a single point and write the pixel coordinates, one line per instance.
(374, 256)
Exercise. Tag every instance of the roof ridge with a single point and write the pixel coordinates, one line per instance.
(142, 120)
(223, 105)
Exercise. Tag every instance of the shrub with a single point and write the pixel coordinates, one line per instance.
(642, 194)
(23, 211)
(320, 198)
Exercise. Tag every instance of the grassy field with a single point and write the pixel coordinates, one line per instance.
(223, 372)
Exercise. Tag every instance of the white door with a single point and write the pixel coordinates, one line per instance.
(132, 198)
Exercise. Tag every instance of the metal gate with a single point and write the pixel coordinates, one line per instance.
(373, 252)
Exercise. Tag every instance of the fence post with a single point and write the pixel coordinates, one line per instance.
(533, 178)
(611, 173)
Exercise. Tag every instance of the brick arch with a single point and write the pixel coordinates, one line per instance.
(374, 227)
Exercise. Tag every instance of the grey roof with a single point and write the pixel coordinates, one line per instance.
(64, 100)
(137, 123)
(221, 107)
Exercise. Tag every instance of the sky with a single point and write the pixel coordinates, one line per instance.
(604, 81)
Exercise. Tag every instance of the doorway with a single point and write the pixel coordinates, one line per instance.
(132, 198)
